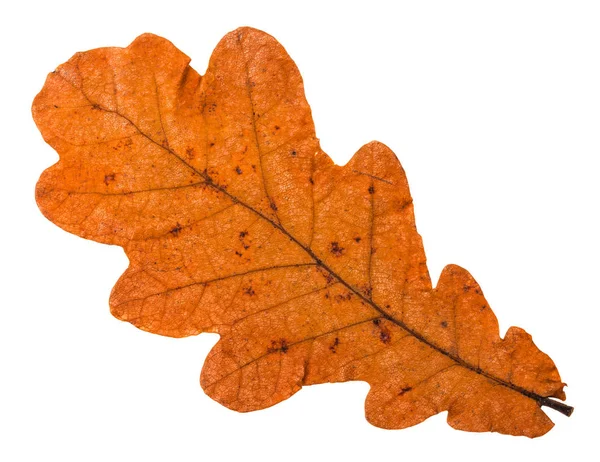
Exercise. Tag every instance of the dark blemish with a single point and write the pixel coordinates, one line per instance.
(239, 254)
(405, 204)
(294, 153)
(373, 250)
(335, 249)
(280, 345)
(273, 206)
(368, 290)
(444, 324)
(238, 170)
(96, 107)
(241, 237)
(371, 189)
(387, 306)
(466, 288)
(249, 291)
(328, 276)
(190, 153)
(253, 167)
(404, 390)
(277, 127)
(108, 178)
(344, 297)
(252, 84)
(284, 347)
(478, 292)
(175, 231)
(311, 180)
(483, 307)
(326, 294)
(334, 345)
(357, 239)
(211, 144)
(384, 335)
(56, 106)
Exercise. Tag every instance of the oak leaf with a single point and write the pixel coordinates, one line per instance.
(236, 222)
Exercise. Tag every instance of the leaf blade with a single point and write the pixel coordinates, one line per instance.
(236, 222)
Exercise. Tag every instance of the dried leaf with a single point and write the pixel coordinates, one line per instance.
(235, 222)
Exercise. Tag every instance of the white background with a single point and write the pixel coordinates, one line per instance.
(493, 109)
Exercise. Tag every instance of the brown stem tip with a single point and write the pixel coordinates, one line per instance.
(558, 406)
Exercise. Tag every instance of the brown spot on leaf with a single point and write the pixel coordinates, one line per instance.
(238, 170)
(336, 249)
(278, 346)
(242, 239)
(176, 230)
(385, 336)
(334, 345)
(344, 297)
(404, 390)
(109, 178)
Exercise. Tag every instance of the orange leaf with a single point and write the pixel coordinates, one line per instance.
(235, 222)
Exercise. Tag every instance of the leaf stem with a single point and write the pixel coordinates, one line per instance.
(557, 406)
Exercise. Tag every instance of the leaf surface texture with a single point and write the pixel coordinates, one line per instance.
(236, 222)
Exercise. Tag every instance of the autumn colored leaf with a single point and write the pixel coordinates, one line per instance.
(236, 222)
